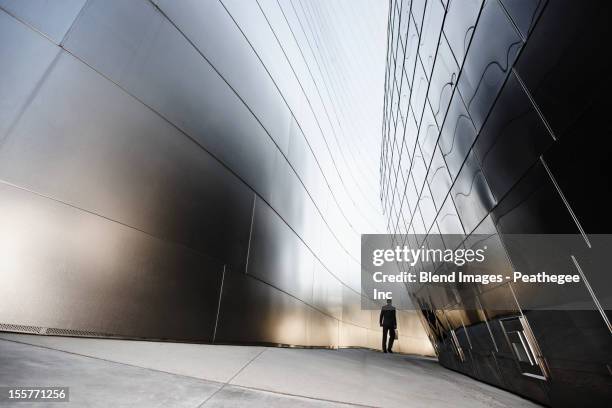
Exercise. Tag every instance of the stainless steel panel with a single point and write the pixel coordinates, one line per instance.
(411, 133)
(167, 73)
(495, 47)
(428, 135)
(534, 206)
(524, 13)
(428, 209)
(546, 107)
(52, 18)
(512, 139)
(418, 223)
(410, 59)
(30, 56)
(85, 142)
(289, 197)
(278, 257)
(254, 312)
(459, 25)
(419, 91)
(580, 164)
(457, 135)
(351, 308)
(471, 194)
(438, 178)
(432, 23)
(65, 268)
(321, 330)
(144, 159)
(411, 196)
(353, 336)
(298, 154)
(443, 81)
(419, 170)
(417, 10)
(326, 292)
(254, 24)
(204, 23)
(565, 74)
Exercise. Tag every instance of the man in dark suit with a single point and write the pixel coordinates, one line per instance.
(389, 324)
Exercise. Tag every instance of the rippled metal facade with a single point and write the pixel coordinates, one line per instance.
(496, 123)
(191, 170)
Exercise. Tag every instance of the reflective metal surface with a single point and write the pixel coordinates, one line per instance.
(193, 170)
(502, 130)
(51, 18)
(69, 269)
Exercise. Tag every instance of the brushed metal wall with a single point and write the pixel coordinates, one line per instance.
(500, 127)
(193, 170)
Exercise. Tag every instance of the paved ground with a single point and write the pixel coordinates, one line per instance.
(120, 373)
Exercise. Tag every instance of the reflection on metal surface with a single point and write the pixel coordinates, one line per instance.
(499, 132)
(156, 182)
(524, 347)
(601, 311)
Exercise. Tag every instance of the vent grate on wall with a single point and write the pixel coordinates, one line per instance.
(18, 328)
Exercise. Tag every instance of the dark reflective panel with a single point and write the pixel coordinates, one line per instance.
(471, 194)
(52, 18)
(493, 50)
(252, 311)
(534, 206)
(535, 135)
(581, 32)
(524, 13)
(580, 162)
(578, 362)
(511, 140)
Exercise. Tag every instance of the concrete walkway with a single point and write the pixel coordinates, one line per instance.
(121, 373)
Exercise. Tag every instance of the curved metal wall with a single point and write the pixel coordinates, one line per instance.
(495, 124)
(193, 170)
